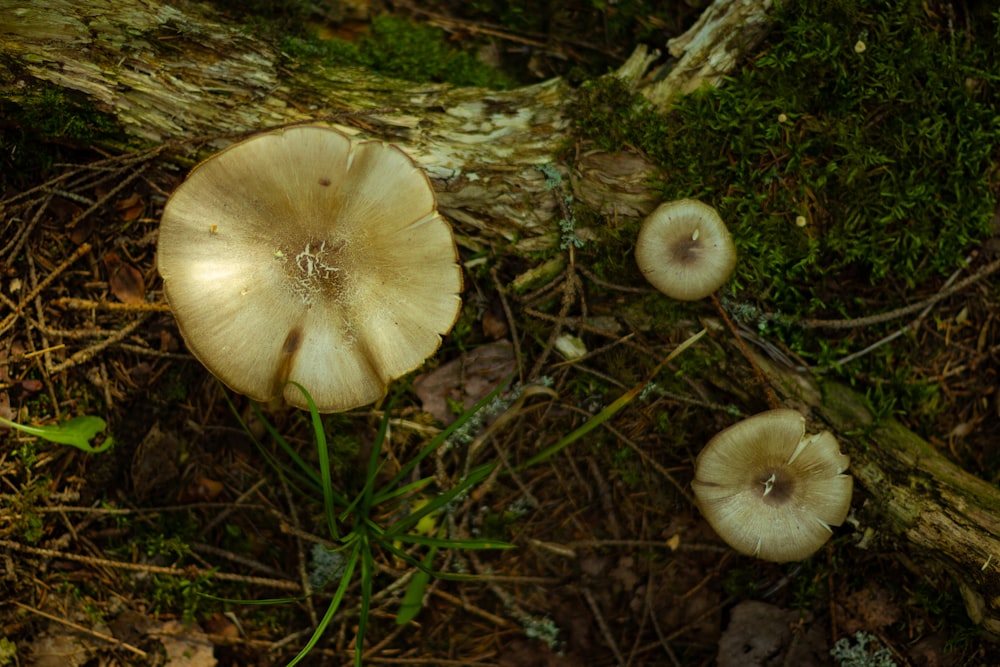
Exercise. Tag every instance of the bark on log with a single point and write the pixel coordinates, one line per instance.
(934, 509)
(178, 72)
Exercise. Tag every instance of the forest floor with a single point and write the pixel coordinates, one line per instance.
(135, 555)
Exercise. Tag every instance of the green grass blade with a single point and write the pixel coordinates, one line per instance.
(310, 474)
(608, 412)
(330, 497)
(338, 596)
(405, 490)
(475, 476)
(436, 442)
(446, 543)
(292, 476)
(437, 574)
(374, 462)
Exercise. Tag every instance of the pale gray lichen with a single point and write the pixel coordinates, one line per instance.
(865, 651)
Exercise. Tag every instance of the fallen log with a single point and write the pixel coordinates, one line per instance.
(917, 500)
(180, 72)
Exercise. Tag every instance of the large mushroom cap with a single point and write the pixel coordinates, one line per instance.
(684, 250)
(771, 491)
(303, 255)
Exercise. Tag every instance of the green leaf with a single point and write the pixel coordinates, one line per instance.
(413, 599)
(76, 432)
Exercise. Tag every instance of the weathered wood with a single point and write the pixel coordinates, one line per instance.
(178, 71)
(922, 502)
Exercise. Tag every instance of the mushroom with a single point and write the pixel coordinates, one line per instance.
(684, 250)
(771, 491)
(302, 255)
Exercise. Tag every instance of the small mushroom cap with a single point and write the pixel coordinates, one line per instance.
(303, 255)
(771, 491)
(684, 250)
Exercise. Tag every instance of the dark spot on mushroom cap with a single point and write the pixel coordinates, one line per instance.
(782, 486)
(293, 341)
(325, 182)
(687, 251)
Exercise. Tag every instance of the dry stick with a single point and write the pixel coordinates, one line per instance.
(983, 272)
(912, 326)
(111, 193)
(88, 353)
(605, 284)
(77, 254)
(650, 461)
(19, 240)
(232, 507)
(511, 323)
(303, 575)
(125, 511)
(772, 398)
(210, 550)
(602, 624)
(79, 628)
(656, 625)
(73, 303)
(188, 572)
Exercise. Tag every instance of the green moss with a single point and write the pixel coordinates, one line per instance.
(885, 151)
(39, 123)
(54, 114)
(405, 50)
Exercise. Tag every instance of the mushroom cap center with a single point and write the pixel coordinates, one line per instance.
(776, 486)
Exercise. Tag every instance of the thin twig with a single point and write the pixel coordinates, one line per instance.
(857, 322)
(73, 303)
(772, 398)
(187, 572)
(602, 624)
(88, 353)
(912, 326)
(79, 628)
(8, 321)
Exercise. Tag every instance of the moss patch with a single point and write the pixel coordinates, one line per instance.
(405, 50)
(857, 147)
(41, 119)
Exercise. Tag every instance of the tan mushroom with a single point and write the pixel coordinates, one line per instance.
(771, 491)
(303, 255)
(684, 250)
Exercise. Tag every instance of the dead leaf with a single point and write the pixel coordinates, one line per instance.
(154, 464)
(465, 381)
(218, 624)
(761, 635)
(870, 609)
(124, 279)
(495, 322)
(186, 646)
(128, 202)
(200, 490)
(62, 650)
